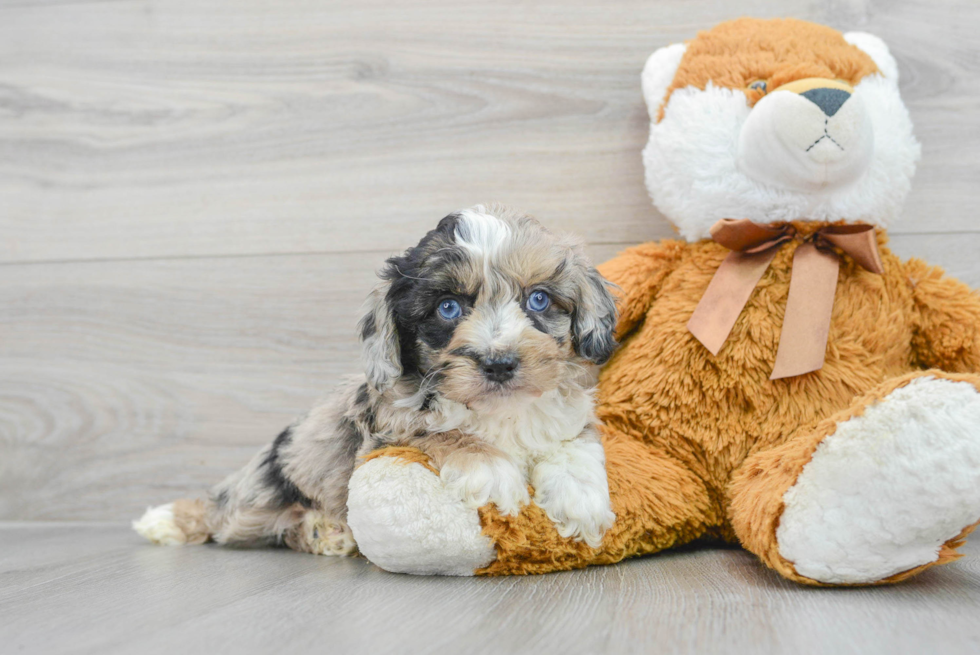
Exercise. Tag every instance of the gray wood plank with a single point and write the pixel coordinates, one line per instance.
(97, 589)
(142, 128)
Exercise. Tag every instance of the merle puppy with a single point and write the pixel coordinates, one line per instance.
(479, 348)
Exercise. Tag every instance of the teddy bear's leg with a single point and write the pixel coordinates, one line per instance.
(405, 520)
(879, 492)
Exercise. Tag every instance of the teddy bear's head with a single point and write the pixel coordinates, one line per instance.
(776, 120)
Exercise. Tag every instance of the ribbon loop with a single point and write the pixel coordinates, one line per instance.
(813, 282)
(857, 241)
(745, 236)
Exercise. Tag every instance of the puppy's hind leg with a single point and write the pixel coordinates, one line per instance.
(234, 522)
(180, 522)
(321, 534)
(294, 490)
(254, 506)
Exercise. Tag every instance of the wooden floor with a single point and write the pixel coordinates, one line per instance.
(84, 588)
(194, 197)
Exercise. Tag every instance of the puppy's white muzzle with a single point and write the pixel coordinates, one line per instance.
(807, 141)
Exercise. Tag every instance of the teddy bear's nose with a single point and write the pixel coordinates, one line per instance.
(829, 100)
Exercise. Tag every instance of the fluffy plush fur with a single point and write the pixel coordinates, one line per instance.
(863, 472)
(479, 349)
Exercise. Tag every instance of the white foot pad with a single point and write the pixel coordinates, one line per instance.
(404, 520)
(157, 525)
(886, 490)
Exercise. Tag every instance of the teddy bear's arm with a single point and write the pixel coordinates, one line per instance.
(946, 333)
(639, 273)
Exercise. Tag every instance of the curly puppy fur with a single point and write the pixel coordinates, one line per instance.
(498, 396)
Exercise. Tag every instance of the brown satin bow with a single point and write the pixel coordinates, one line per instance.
(803, 340)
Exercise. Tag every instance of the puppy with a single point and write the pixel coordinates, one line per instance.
(479, 348)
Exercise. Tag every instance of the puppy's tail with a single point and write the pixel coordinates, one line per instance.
(180, 522)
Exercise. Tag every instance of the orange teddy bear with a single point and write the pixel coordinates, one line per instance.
(785, 382)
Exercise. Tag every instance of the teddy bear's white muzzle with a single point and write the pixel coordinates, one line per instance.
(808, 142)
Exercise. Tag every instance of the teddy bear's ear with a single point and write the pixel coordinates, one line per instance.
(875, 48)
(658, 74)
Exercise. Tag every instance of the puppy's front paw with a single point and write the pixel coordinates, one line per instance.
(574, 493)
(479, 479)
(580, 512)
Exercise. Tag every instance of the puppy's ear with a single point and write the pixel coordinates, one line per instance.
(594, 322)
(379, 341)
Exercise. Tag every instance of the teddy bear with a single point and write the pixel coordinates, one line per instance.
(784, 381)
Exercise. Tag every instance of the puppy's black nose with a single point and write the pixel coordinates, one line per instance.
(829, 100)
(499, 369)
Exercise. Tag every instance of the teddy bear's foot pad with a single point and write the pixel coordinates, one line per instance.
(406, 521)
(885, 492)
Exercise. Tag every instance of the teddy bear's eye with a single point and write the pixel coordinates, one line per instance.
(758, 85)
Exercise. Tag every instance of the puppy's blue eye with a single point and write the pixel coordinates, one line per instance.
(538, 301)
(450, 310)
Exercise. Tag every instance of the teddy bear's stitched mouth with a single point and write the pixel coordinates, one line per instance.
(826, 135)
